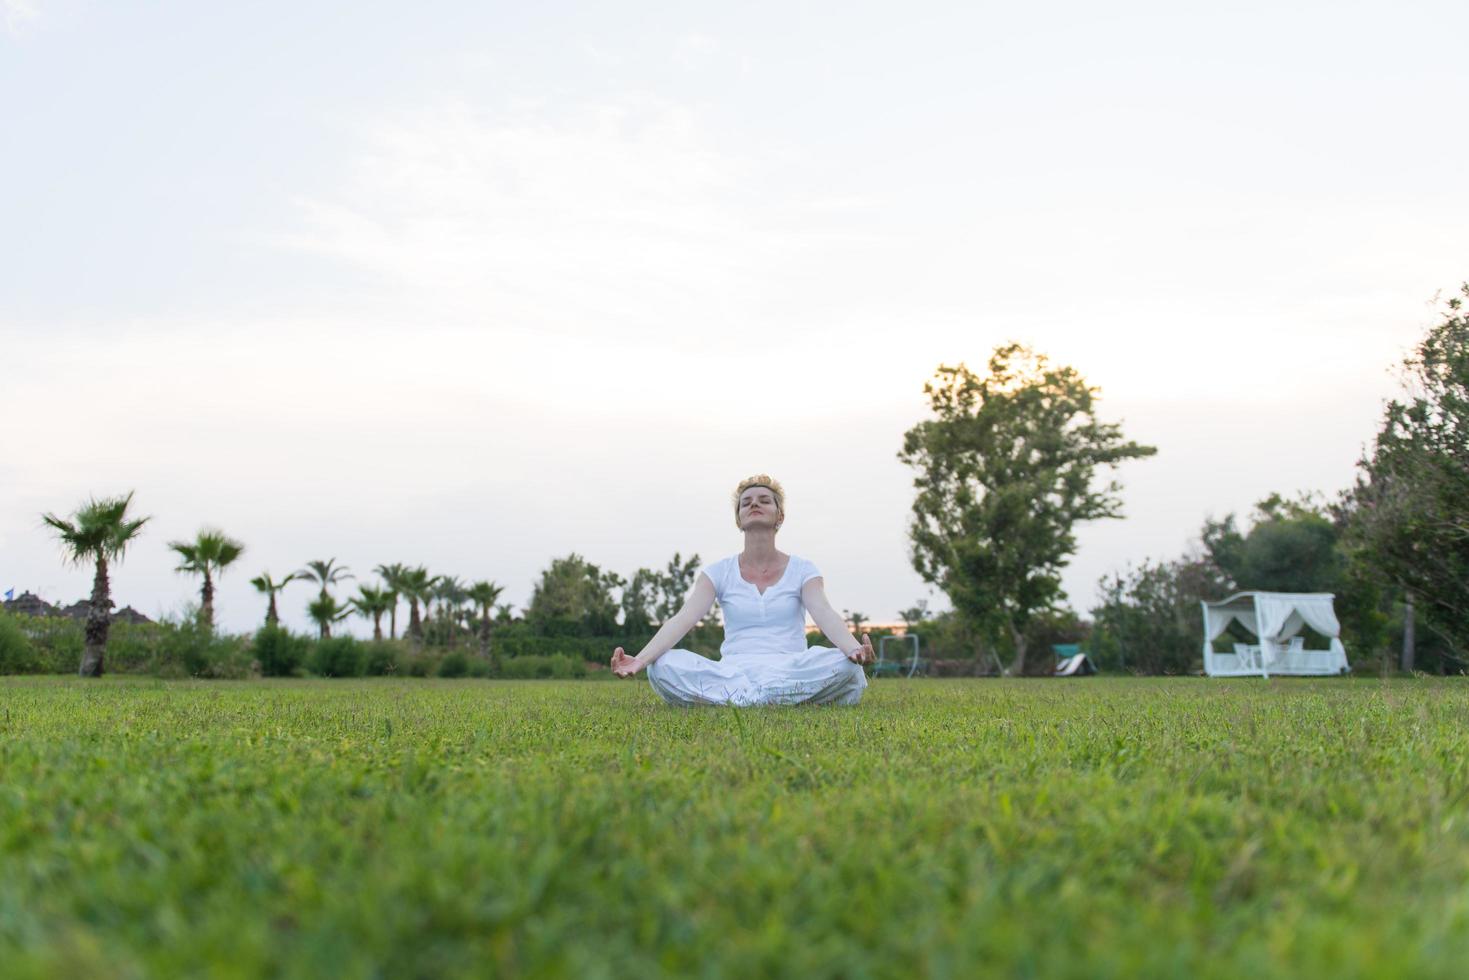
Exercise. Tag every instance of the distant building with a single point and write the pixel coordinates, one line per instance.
(80, 609)
(127, 614)
(30, 604)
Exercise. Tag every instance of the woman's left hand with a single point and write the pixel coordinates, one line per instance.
(863, 654)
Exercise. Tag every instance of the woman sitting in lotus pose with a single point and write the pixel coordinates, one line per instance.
(765, 595)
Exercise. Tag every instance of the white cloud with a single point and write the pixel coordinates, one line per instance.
(620, 217)
(18, 15)
(694, 51)
(600, 55)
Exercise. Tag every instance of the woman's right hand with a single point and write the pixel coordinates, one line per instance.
(625, 666)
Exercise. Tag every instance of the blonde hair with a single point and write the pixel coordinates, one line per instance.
(760, 480)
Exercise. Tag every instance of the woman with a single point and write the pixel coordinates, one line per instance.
(765, 595)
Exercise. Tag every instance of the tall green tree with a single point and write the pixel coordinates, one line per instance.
(674, 585)
(484, 595)
(574, 598)
(650, 598)
(325, 574)
(373, 603)
(208, 555)
(1409, 517)
(392, 576)
(914, 614)
(268, 587)
(639, 600)
(1006, 469)
(416, 585)
(325, 611)
(451, 594)
(98, 533)
(1291, 546)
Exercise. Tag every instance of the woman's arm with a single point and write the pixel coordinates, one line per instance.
(695, 608)
(813, 594)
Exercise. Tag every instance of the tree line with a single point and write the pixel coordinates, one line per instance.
(1009, 462)
(574, 599)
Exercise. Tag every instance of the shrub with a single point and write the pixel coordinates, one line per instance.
(340, 656)
(455, 664)
(226, 658)
(553, 665)
(57, 640)
(479, 667)
(174, 653)
(53, 645)
(384, 659)
(280, 653)
(133, 648)
(517, 640)
(420, 665)
(18, 655)
(186, 649)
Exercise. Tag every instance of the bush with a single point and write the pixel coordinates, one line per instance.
(133, 648)
(479, 667)
(185, 649)
(557, 666)
(18, 655)
(226, 658)
(420, 665)
(57, 642)
(517, 640)
(340, 656)
(384, 659)
(53, 645)
(280, 653)
(455, 664)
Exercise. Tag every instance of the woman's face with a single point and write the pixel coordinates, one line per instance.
(758, 508)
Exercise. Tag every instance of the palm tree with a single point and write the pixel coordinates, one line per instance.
(263, 584)
(374, 602)
(325, 610)
(325, 573)
(417, 585)
(393, 579)
(913, 616)
(209, 554)
(449, 590)
(98, 532)
(483, 595)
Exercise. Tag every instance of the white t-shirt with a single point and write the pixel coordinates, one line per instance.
(774, 622)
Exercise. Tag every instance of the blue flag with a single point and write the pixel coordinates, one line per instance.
(9, 594)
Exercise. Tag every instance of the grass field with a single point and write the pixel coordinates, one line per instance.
(1095, 828)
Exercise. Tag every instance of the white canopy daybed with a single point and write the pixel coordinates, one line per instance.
(1274, 619)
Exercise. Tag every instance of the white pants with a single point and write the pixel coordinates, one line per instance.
(818, 675)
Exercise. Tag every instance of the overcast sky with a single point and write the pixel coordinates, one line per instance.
(475, 285)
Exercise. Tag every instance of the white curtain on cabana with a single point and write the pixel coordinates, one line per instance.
(1217, 621)
(1274, 618)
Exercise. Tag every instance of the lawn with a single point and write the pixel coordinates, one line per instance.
(410, 828)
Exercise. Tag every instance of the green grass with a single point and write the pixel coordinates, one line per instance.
(399, 828)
